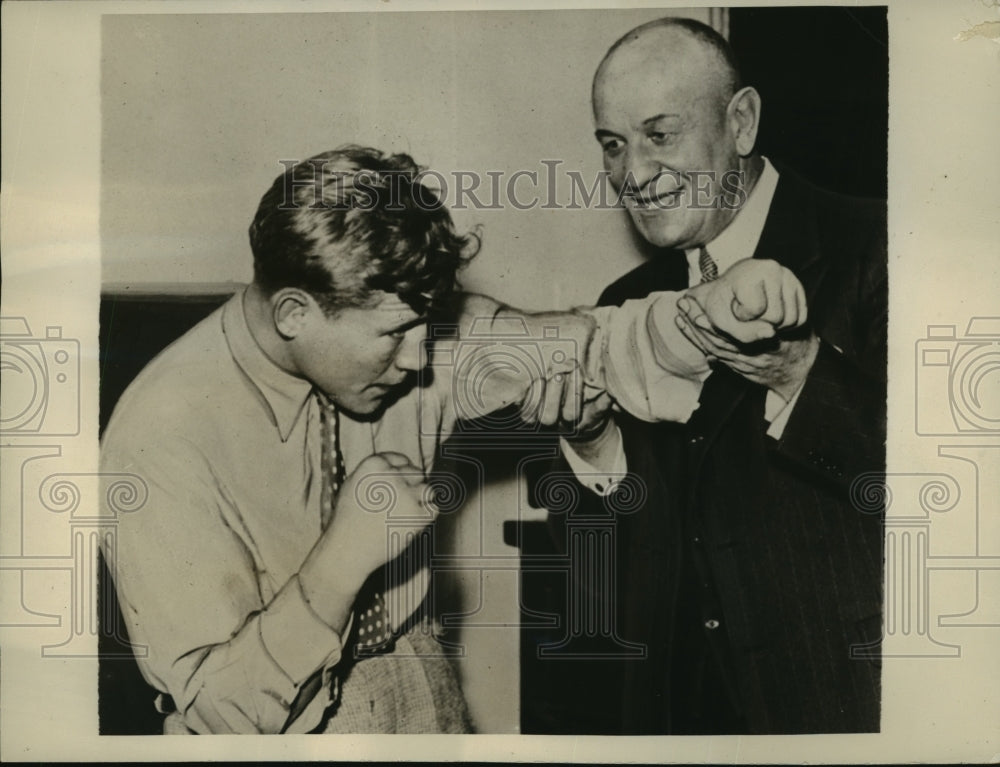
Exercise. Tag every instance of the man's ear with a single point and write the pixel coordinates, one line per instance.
(290, 308)
(744, 119)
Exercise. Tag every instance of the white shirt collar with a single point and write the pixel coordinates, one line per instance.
(739, 240)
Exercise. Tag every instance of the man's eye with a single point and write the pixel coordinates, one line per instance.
(612, 146)
(660, 137)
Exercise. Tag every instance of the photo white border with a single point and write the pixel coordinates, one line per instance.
(944, 234)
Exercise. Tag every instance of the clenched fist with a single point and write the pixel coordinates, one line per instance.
(754, 301)
(751, 301)
(384, 486)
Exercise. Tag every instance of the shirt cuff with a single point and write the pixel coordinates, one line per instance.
(602, 483)
(296, 638)
(777, 411)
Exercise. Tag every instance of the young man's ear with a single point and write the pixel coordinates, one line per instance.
(290, 309)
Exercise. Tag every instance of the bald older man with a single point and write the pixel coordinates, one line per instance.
(751, 578)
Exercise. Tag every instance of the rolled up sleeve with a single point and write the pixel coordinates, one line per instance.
(640, 357)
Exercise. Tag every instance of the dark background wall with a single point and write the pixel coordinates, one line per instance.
(823, 77)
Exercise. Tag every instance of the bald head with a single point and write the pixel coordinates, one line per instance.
(677, 48)
(677, 130)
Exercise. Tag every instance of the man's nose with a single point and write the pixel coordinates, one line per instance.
(411, 355)
(639, 168)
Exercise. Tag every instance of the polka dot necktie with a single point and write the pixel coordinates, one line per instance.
(709, 269)
(371, 633)
(332, 464)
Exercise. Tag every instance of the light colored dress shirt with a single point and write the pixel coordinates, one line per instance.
(228, 446)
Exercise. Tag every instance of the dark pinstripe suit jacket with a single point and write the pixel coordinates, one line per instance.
(794, 568)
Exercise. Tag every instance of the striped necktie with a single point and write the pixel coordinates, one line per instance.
(709, 269)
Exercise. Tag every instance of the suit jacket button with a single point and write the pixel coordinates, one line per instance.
(711, 624)
(696, 439)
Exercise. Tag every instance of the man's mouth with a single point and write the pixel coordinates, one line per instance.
(387, 386)
(662, 192)
(663, 201)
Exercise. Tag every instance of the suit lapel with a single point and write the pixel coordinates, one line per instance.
(790, 234)
(673, 271)
(790, 238)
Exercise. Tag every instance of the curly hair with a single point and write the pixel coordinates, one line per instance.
(352, 221)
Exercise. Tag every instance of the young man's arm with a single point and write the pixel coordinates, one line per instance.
(638, 353)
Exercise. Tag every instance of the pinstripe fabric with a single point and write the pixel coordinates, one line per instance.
(792, 572)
